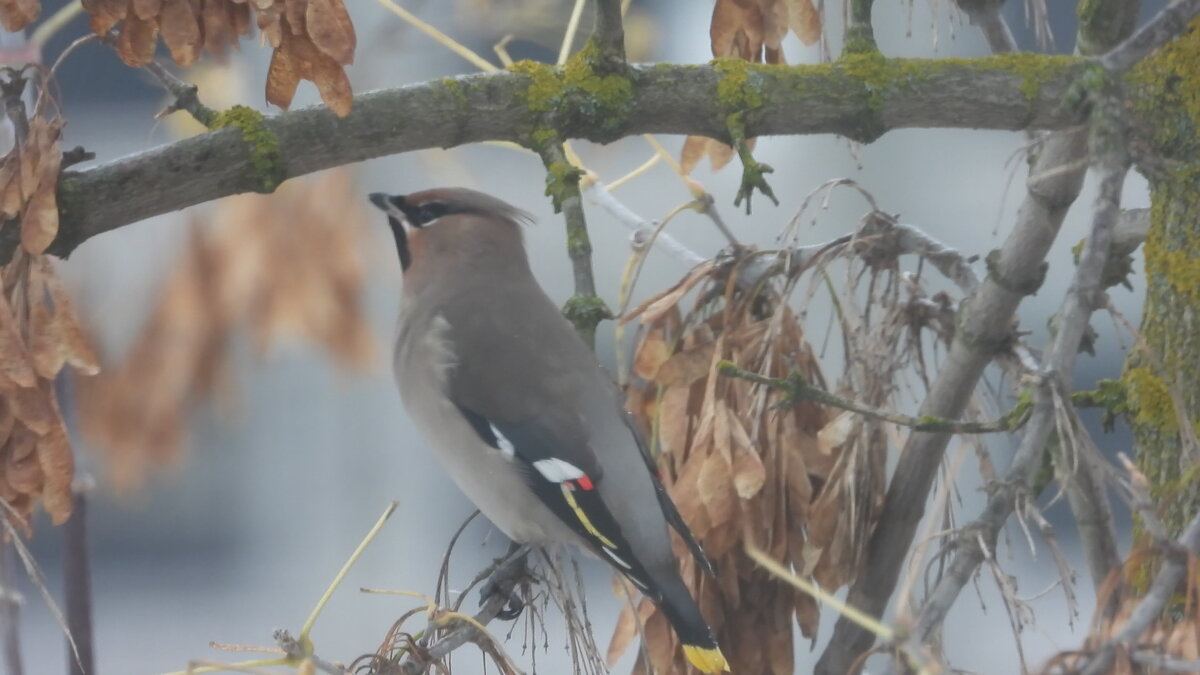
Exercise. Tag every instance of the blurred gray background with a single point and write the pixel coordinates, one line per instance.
(245, 533)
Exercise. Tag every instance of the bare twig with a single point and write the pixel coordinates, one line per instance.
(610, 33)
(986, 14)
(297, 653)
(1073, 317)
(1015, 271)
(1164, 27)
(585, 310)
(1165, 584)
(186, 95)
(860, 37)
(77, 581)
(463, 632)
(796, 388)
(10, 612)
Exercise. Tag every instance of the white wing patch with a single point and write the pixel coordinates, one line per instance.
(557, 470)
(506, 445)
(613, 556)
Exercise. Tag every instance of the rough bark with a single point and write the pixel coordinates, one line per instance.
(860, 98)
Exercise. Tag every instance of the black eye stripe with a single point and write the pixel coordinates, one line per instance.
(427, 213)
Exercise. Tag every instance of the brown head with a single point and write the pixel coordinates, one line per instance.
(453, 231)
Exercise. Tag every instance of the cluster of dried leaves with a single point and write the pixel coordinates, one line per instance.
(283, 264)
(313, 39)
(751, 30)
(39, 334)
(743, 468)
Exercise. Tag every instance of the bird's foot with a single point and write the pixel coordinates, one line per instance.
(510, 571)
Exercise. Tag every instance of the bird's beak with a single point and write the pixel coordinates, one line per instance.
(389, 204)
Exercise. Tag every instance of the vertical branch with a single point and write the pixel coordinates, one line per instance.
(860, 37)
(585, 310)
(986, 14)
(77, 584)
(1073, 317)
(610, 33)
(10, 612)
(1014, 271)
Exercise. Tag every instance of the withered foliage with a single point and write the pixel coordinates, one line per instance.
(312, 39)
(278, 265)
(744, 467)
(39, 334)
(751, 30)
(17, 14)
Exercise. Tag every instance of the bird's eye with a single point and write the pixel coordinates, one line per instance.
(431, 211)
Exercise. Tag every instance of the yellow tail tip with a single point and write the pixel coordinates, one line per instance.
(706, 659)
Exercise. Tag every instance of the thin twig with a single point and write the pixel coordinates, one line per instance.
(1073, 318)
(464, 631)
(77, 581)
(10, 612)
(1150, 607)
(610, 32)
(1016, 270)
(796, 388)
(584, 309)
(1168, 24)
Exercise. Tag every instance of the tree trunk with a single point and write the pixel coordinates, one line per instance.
(1163, 371)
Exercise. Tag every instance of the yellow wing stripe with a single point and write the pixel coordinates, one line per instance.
(569, 495)
(706, 659)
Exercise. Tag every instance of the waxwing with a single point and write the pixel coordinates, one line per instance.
(518, 409)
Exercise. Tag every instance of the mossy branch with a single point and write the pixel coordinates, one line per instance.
(584, 310)
(796, 388)
(1010, 92)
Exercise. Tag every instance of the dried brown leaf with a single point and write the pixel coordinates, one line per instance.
(716, 490)
(652, 352)
(58, 466)
(17, 14)
(22, 469)
(15, 364)
(749, 473)
(737, 29)
(804, 20)
(136, 43)
(775, 24)
(627, 629)
(685, 367)
(330, 29)
(296, 16)
(282, 77)
(656, 306)
(146, 9)
(180, 26)
(39, 223)
(105, 14)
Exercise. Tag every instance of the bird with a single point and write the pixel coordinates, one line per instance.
(518, 408)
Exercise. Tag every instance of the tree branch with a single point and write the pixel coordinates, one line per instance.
(1015, 270)
(1073, 318)
(584, 309)
(984, 93)
(610, 33)
(1160, 30)
(796, 388)
(1165, 585)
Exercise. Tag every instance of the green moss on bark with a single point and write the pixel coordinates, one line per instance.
(1161, 375)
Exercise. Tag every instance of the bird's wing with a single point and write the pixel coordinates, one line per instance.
(563, 485)
(668, 506)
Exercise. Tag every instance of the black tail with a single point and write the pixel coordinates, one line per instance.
(682, 612)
